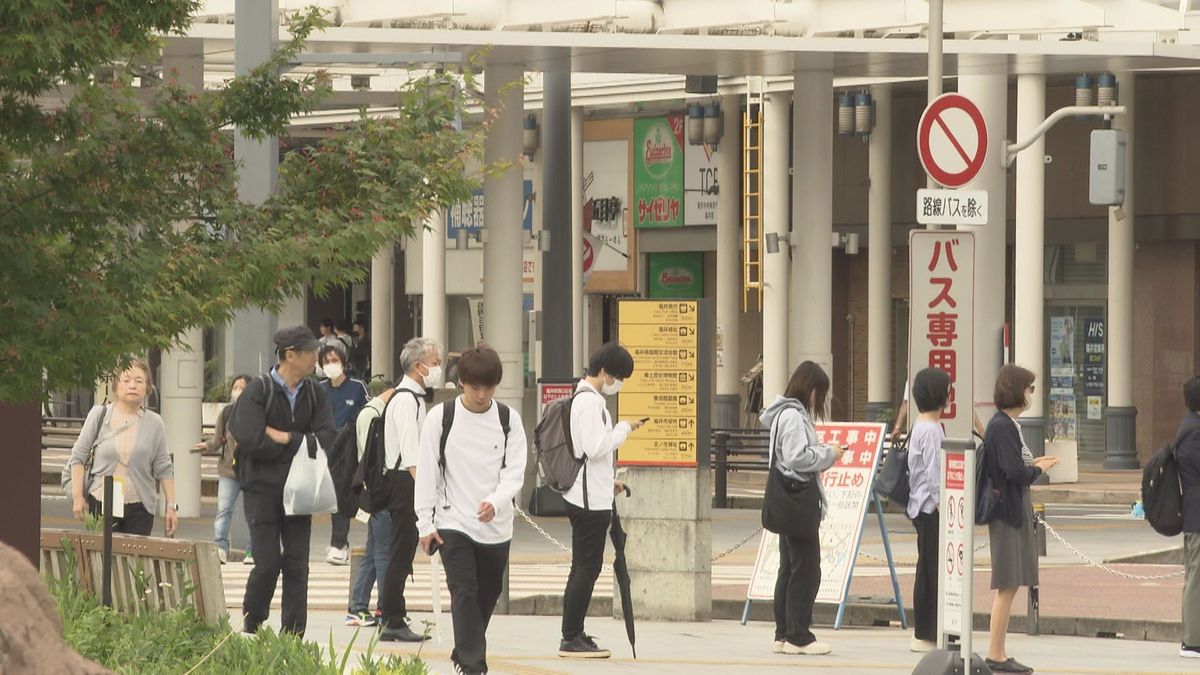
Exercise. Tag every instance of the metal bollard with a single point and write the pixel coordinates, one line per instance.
(1032, 620)
(720, 479)
(1039, 529)
(106, 565)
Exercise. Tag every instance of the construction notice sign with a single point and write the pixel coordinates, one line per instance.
(848, 492)
(663, 338)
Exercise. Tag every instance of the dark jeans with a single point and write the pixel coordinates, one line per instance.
(341, 531)
(925, 586)
(137, 519)
(474, 575)
(588, 530)
(401, 548)
(280, 544)
(796, 588)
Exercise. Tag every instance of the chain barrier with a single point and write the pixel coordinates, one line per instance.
(541, 531)
(1102, 566)
(737, 546)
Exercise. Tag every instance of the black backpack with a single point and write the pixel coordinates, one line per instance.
(371, 484)
(343, 464)
(1162, 492)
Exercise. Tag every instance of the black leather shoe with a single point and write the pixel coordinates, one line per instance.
(400, 634)
(1009, 666)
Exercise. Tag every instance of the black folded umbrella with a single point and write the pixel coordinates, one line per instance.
(621, 572)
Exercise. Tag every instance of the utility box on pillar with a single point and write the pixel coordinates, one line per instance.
(1106, 168)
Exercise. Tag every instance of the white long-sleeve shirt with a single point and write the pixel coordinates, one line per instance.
(403, 423)
(594, 437)
(475, 450)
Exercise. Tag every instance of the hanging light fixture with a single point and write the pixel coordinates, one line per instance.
(845, 105)
(1084, 94)
(1106, 91)
(529, 139)
(712, 123)
(864, 114)
(695, 124)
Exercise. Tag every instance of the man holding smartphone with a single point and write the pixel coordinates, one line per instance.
(590, 499)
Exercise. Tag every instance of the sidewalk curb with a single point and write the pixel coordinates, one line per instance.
(860, 614)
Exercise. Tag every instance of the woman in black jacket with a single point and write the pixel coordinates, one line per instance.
(1013, 469)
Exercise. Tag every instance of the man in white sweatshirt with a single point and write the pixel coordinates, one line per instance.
(470, 466)
(590, 499)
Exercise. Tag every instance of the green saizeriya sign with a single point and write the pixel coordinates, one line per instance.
(658, 172)
(676, 275)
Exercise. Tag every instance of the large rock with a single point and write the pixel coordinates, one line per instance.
(30, 630)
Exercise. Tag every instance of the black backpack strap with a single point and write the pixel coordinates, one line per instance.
(447, 422)
(505, 416)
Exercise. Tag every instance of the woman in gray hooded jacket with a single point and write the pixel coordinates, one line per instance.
(799, 456)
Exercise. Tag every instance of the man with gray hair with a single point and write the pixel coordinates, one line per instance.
(421, 362)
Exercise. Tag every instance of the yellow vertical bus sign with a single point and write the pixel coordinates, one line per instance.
(663, 338)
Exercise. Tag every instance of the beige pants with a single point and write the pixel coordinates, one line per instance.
(1191, 590)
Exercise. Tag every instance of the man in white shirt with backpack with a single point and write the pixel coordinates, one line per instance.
(590, 499)
(470, 466)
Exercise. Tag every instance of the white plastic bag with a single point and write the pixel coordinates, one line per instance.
(309, 487)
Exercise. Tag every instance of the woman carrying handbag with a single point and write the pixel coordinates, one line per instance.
(794, 505)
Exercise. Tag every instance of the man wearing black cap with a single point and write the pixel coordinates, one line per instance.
(272, 416)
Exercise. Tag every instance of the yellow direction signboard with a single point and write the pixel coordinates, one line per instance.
(664, 339)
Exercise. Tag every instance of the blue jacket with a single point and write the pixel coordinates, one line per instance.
(347, 400)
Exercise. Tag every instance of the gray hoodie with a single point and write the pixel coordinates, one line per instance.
(795, 447)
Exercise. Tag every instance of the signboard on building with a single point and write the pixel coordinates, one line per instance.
(658, 172)
(606, 214)
(1093, 367)
(700, 185)
(1062, 378)
(952, 207)
(549, 392)
(470, 215)
(942, 289)
(676, 275)
(848, 492)
(662, 338)
(954, 525)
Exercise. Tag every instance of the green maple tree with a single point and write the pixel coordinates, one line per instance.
(120, 225)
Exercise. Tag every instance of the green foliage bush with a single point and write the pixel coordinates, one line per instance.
(178, 641)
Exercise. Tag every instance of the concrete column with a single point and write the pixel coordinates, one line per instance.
(383, 270)
(1121, 416)
(181, 384)
(502, 253)
(729, 266)
(810, 336)
(557, 209)
(433, 278)
(1028, 271)
(776, 366)
(255, 37)
(879, 260)
(578, 355)
(984, 79)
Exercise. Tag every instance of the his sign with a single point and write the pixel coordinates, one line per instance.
(952, 207)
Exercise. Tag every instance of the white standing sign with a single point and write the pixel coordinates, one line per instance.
(955, 522)
(952, 207)
(848, 492)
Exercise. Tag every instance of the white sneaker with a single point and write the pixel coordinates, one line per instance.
(338, 556)
(810, 649)
(777, 647)
(1189, 652)
(921, 646)
(222, 555)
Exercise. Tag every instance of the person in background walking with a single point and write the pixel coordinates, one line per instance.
(130, 444)
(360, 357)
(931, 391)
(801, 457)
(328, 336)
(223, 446)
(464, 498)
(347, 396)
(341, 328)
(590, 499)
(1013, 469)
(404, 422)
(379, 533)
(272, 418)
(1187, 454)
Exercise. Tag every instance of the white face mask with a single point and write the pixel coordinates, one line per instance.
(233, 395)
(433, 377)
(612, 389)
(333, 370)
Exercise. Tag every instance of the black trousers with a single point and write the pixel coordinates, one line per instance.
(475, 576)
(400, 565)
(588, 531)
(925, 586)
(796, 588)
(137, 520)
(280, 544)
(341, 531)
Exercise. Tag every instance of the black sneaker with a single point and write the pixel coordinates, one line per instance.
(582, 647)
(1009, 666)
(400, 634)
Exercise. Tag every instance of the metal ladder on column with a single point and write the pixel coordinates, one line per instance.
(752, 205)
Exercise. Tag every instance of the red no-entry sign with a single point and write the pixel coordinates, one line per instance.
(952, 140)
